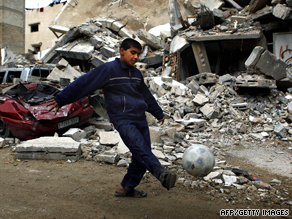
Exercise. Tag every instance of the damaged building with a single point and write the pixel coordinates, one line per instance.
(203, 40)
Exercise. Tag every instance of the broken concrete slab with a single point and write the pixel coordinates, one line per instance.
(154, 134)
(62, 148)
(211, 111)
(109, 157)
(178, 44)
(282, 12)
(204, 78)
(255, 5)
(75, 133)
(108, 52)
(97, 60)
(254, 57)
(193, 123)
(76, 50)
(175, 17)
(280, 130)
(251, 34)
(270, 65)
(200, 99)
(152, 40)
(110, 138)
(63, 70)
(254, 81)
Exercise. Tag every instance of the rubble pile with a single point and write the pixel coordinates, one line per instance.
(216, 116)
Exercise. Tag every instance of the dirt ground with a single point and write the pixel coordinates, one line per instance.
(84, 189)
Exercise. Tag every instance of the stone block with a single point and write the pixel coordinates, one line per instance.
(2, 142)
(96, 60)
(108, 52)
(254, 57)
(109, 138)
(238, 19)
(178, 44)
(158, 154)
(210, 111)
(75, 133)
(125, 32)
(270, 65)
(152, 40)
(142, 67)
(167, 134)
(194, 87)
(49, 148)
(280, 130)
(81, 51)
(154, 135)
(200, 99)
(282, 12)
(193, 123)
(96, 41)
(226, 79)
(109, 157)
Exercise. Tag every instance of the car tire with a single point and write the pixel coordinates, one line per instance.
(4, 130)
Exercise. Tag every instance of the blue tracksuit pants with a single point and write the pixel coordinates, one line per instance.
(136, 137)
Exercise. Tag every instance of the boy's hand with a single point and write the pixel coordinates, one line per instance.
(161, 121)
(54, 105)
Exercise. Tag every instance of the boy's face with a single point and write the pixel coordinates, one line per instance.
(130, 56)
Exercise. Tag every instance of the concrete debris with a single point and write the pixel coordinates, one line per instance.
(151, 40)
(75, 133)
(175, 17)
(63, 70)
(49, 148)
(267, 63)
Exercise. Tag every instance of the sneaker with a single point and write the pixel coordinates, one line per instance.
(167, 179)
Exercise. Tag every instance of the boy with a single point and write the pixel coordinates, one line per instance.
(126, 100)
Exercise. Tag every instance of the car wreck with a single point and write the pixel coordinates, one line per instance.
(24, 112)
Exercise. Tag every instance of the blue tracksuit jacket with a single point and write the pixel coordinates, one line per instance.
(125, 93)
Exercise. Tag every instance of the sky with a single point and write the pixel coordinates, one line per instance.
(38, 3)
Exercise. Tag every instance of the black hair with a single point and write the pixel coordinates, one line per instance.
(129, 42)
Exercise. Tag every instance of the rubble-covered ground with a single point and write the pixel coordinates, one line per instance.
(60, 189)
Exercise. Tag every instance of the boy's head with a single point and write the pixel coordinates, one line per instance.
(129, 42)
(130, 50)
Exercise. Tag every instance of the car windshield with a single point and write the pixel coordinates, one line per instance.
(13, 74)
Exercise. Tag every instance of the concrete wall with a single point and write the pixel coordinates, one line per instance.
(44, 35)
(12, 20)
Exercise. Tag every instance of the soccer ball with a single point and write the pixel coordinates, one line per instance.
(198, 160)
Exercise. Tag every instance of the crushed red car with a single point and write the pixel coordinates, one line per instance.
(24, 112)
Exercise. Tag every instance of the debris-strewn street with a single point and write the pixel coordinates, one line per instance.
(85, 189)
(219, 83)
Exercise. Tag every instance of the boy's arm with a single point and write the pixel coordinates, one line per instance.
(81, 87)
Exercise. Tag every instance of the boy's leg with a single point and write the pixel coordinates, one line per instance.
(135, 135)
